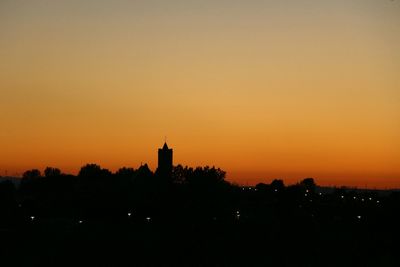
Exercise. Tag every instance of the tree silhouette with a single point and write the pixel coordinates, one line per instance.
(179, 174)
(93, 171)
(277, 184)
(262, 187)
(308, 183)
(31, 174)
(126, 172)
(31, 183)
(205, 177)
(52, 172)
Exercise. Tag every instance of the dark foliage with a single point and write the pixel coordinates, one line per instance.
(191, 217)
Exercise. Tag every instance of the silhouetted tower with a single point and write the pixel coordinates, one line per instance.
(165, 161)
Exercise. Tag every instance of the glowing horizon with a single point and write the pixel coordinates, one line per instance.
(261, 89)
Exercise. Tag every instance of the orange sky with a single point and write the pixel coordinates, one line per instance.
(262, 89)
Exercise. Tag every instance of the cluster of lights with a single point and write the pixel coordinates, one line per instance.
(363, 199)
(237, 213)
(249, 188)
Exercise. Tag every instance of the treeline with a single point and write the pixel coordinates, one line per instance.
(97, 192)
(187, 194)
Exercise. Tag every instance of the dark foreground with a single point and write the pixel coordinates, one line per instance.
(251, 235)
(192, 217)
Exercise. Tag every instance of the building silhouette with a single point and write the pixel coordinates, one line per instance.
(165, 161)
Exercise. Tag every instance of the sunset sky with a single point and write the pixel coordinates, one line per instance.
(262, 89)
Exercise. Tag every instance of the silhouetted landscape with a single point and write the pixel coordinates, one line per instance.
(182, 216)
(283, 119)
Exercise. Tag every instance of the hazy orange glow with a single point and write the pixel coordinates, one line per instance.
(262, 89)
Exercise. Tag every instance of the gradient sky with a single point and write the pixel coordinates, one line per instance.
(262, 89)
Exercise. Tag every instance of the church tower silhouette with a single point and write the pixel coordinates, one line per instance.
(165, 161)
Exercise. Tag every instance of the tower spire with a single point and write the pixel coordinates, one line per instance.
(165, 160)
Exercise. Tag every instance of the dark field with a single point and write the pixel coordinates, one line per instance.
(262, 230)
